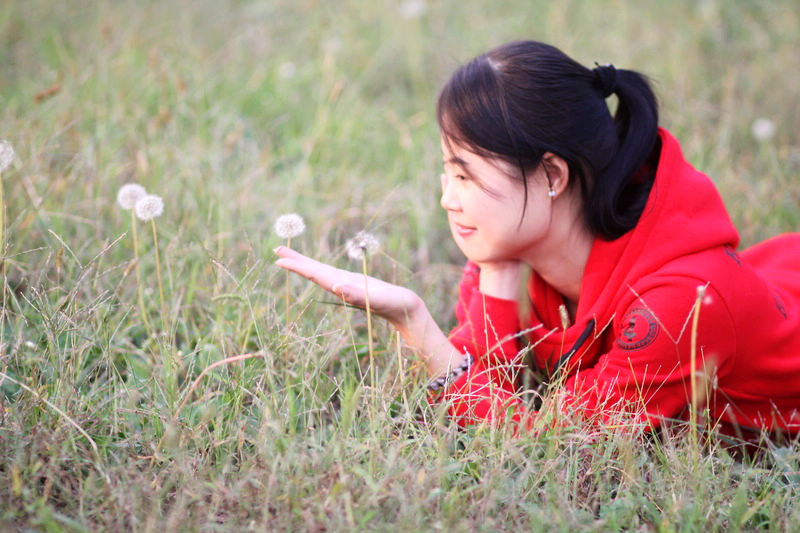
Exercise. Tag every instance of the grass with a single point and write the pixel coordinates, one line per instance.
(235, 112)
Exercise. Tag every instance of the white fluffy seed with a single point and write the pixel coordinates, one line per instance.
(763, 129)
(149, 206)
(289, 226)
(362, 243)
(6, 155)
(129, 194)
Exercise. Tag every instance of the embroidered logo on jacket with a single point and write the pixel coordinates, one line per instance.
(639, 328)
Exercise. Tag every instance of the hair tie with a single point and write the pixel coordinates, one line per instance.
(606, 78)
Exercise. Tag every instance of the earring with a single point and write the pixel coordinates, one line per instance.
(551, 193)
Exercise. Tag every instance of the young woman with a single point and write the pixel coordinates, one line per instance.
(621, 235)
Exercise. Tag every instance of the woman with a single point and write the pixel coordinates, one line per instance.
(622, 237)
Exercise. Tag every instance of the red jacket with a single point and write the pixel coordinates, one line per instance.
(629, 349)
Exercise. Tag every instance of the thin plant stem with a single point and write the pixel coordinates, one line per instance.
(2, 262)
(369, 320)
(2, 225)
(288, 245)
(158, 276)
(701, 291)
(142, 309)
(564, 314)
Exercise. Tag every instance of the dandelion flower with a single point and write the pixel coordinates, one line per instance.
(362, 244)
(762, 129)
(129, 194)
(287, 70)
(411, 9)
(289, 226)
(149, 206)
(6, 155)
(359, 248)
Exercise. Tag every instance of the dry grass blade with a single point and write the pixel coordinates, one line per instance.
(209, 368)
(64, 415)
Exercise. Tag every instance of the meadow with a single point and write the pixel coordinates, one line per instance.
(237, 111)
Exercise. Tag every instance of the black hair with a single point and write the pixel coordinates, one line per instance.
(525, 98)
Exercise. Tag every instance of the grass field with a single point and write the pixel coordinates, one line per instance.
(238, 111)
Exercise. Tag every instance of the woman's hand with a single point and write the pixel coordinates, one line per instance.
(398, 305)
(401, 307)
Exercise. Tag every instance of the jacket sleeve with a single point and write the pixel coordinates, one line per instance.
(645, 377)
(488, 329)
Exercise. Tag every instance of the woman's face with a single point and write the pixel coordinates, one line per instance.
(484, 204)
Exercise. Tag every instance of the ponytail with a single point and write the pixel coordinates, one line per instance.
(620, 190)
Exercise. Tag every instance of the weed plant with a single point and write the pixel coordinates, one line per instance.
(237, 111)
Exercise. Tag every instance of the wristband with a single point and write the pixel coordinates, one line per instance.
(445, 380)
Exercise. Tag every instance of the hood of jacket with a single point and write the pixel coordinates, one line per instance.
(684, 215)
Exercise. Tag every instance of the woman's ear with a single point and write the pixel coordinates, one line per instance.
(557, 171)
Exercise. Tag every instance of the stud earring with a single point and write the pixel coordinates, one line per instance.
(551, 193)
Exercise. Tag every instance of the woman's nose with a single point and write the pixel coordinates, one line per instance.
(449, 201)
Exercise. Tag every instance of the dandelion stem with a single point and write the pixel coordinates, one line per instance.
(142, 308)
(158, 276)
(369, 321)
(288, 245)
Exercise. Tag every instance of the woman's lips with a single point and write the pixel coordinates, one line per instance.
(463, 231)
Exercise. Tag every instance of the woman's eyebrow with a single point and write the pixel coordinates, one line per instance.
(455, 161)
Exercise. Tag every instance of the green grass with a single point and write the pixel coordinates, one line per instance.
(193, 101)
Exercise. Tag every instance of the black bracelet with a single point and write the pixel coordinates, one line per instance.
(448, 378)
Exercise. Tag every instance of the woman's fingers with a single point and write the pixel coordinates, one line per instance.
(390, 301)
(285, 251)
(323, 275)
(340, 282)
(348, 294)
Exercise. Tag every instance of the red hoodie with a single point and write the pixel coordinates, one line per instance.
(629, 349)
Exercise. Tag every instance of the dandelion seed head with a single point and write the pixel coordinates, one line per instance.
(6, 155)
(149, 206)
(763, 129)
(289, 226)
(129, 194)
(411, 9)
(363, 243)
(287, 70)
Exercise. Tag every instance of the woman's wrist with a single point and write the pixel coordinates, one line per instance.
(409, 322)
(424, 336)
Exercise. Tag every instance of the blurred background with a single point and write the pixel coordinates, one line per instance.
(236, 111)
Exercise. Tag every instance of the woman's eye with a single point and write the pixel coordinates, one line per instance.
(461, 177)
